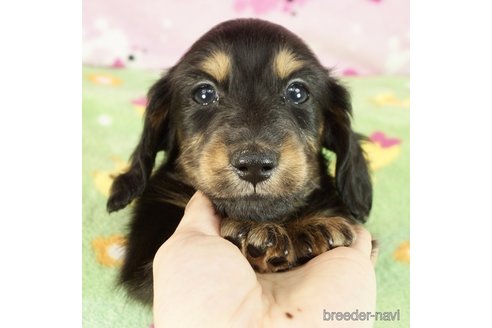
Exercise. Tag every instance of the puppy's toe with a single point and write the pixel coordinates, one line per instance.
(235, 231)
(269, 248)
(266, 246)
(313, 236)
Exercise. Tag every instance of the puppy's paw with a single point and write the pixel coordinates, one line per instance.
(124, 189)
(313, 236)
(266, 246)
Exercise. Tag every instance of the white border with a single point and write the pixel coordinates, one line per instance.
(41, 164)
(451, 163)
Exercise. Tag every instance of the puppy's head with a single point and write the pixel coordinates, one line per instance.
(243, 116)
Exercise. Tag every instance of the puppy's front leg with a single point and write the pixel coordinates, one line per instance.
(275, 247)
(314, 235)
(265, 245)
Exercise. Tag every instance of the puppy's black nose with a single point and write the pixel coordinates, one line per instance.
(254, 166)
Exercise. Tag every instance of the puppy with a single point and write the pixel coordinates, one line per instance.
(244, 116)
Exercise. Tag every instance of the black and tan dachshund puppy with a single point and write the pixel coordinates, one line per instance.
(243, 117)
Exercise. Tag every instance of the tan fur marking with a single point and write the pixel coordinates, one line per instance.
(313, 144)
(214, 170)
(291, 173)
(230, 227)
(209, 169)
(286, 63)
(217, 65)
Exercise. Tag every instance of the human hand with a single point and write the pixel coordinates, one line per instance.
(201, 280)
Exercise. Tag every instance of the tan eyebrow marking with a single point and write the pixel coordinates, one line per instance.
(217, 65)
(286, 62)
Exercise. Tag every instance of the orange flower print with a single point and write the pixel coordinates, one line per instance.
(109, 250)
(104, 79)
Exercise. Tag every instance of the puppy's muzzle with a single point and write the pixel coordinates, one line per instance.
(254, 166)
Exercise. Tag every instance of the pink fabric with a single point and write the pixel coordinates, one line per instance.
(140, 101)
(356, 37)
(385, 142)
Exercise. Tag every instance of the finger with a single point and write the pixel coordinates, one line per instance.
(363, 241)
(200, 216)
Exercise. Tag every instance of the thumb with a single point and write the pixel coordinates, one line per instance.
(200, 216)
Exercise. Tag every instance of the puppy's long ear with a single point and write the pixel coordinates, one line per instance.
(156, 136)
(353, 181)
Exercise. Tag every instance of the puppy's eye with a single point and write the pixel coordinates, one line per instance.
(297, 93)
(205, 94)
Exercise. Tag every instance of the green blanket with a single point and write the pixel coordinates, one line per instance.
(113, 104)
